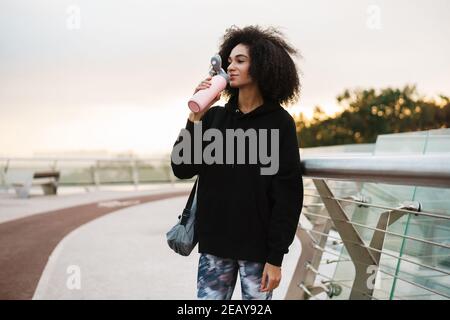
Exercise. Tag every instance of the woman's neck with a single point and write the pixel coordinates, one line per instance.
(249, 98)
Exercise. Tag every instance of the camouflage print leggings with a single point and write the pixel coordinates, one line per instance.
(217, 277)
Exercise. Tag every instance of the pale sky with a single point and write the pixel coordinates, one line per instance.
(121, 78)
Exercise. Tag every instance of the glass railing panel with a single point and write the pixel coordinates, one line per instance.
(438, 132)
(438, 141)
(114, 172)
(434, 230)
(76, 172)
(404, 144)
(434, 253)
(150, 171)
(413, 280)
(383, 195)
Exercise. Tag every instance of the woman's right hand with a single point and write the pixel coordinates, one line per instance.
(205, 84)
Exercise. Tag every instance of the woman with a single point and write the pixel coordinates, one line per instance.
(246, 220)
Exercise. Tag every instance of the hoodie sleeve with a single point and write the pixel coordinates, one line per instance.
(287, 196)
(184, 148)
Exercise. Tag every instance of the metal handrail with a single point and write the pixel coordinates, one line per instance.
(416, 170)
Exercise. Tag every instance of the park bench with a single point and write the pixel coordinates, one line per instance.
(23, 179)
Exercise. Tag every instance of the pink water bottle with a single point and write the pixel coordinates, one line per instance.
(202, 98)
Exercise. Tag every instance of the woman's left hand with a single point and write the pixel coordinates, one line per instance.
(271, 278)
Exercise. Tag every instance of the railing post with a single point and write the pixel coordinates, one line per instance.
(95, 175)
(303, 278)
(170, 174)
(362, 289)
(3, 175)
(55, 163)
(135, 174)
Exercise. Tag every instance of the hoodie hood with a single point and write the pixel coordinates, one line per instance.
(267, 107)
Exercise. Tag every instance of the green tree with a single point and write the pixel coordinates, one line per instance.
(368, 113)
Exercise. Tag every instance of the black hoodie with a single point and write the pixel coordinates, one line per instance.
(242, 214)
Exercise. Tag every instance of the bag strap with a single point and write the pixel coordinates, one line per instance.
(187, 210)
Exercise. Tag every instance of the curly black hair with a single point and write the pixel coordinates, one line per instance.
(271, 66)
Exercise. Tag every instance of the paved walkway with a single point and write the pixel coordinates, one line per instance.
(117, 247)
(26, 243)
